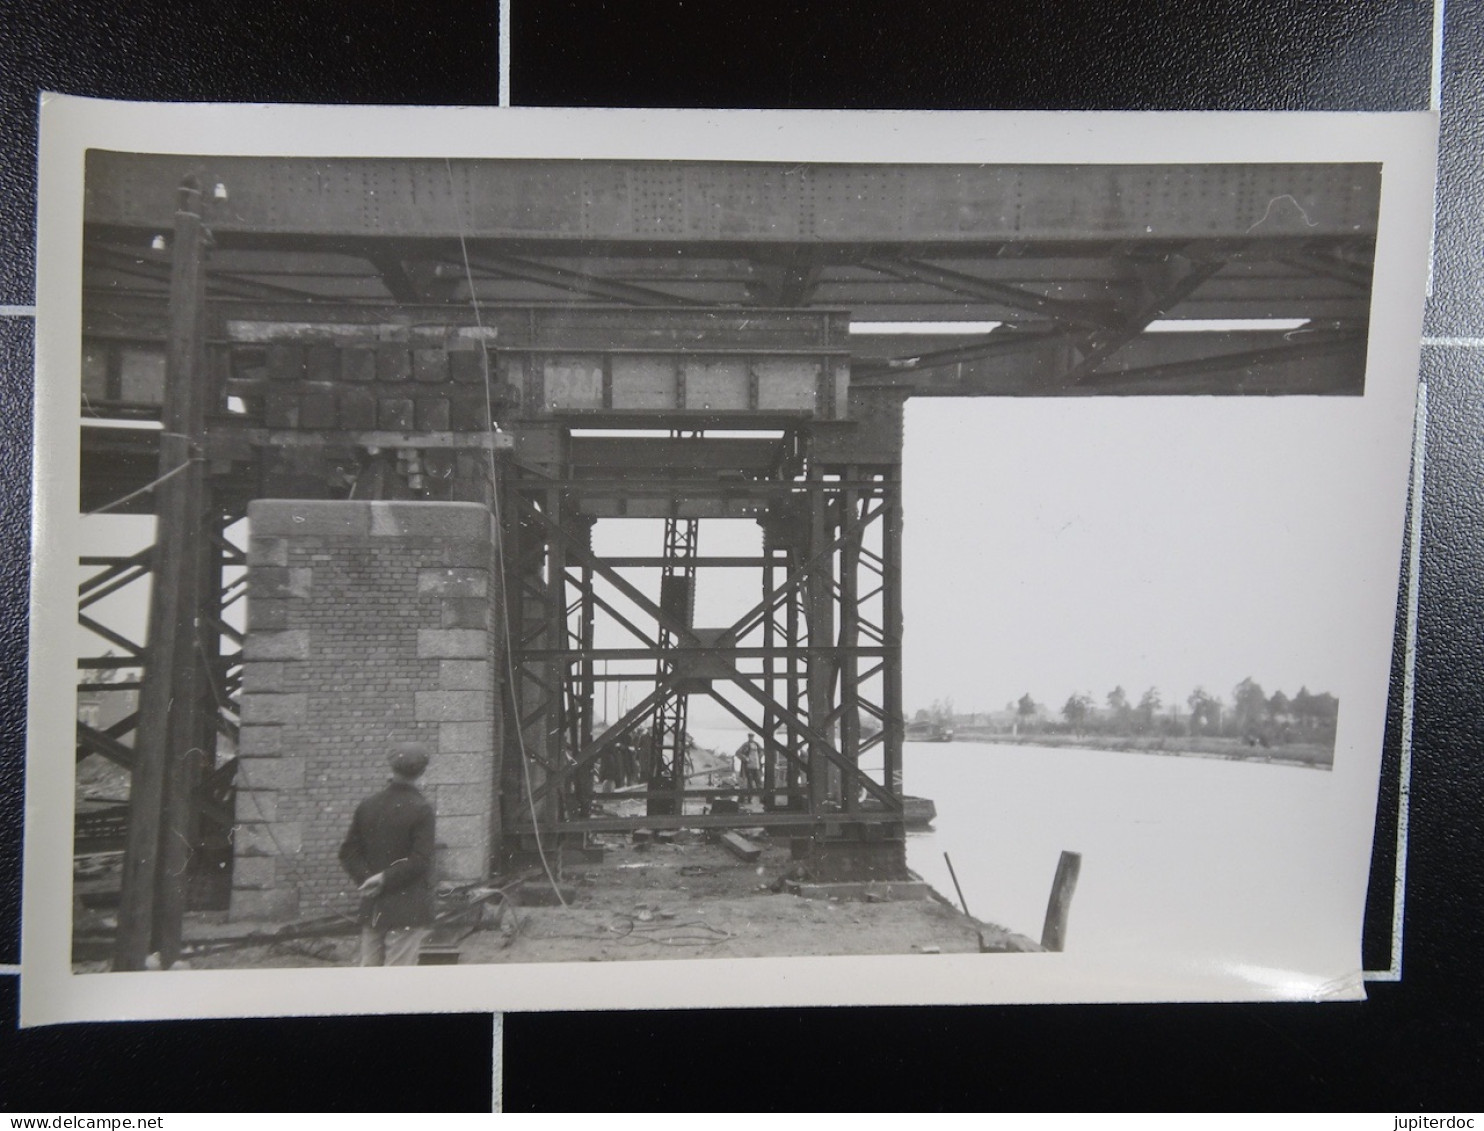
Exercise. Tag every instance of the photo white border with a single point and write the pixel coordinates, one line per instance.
(1403, 143)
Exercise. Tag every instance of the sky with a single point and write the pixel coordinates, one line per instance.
(1055, 546)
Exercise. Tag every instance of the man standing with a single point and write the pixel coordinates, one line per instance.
(750, 754)
(389, 854)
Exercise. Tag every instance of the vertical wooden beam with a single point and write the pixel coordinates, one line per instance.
(152, 895)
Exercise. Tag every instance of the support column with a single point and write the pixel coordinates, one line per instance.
(821, 637)
(152, 898)
(770, 719)
(368, 624)
(555, 670)
(891, 581)
(849, 637)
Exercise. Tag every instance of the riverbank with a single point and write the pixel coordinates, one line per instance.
(1309, 755)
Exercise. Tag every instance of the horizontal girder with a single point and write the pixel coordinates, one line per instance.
(730, 204)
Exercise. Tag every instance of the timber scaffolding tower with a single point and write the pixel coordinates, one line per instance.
(566, 342)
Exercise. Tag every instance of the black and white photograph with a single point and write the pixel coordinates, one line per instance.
(658, 559)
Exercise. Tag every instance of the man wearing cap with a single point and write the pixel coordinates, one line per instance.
(389, 854)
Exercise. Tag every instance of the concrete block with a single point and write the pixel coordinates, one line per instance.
(475, 555)
(300, 517)
(395, 413)
(358, 365)
(275, 582)
(452, 644)
(267, 613)
(466, 737)
(263, 675)
(317, 406)
(430, 366)
(464, 675)
(467, 367)
(452, 522)
(271, 773)
(465, 612)
(281, 407)
(286, 361)
(268, 707)
(393, 364)
(321, 362)
(356, 409)
(454, 582)
(264, 838)
(432, 414)
(469, 831)
(450, 706)
(290, 644)
(461, 800)
(256, 805)
(462, 864)
(250, 872)
(267, 551)
(260, 740)
(280, 905)
(462, 769)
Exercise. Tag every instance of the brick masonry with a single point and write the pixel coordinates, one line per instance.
(368, 624)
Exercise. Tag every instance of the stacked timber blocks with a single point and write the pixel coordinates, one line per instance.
(368, 624)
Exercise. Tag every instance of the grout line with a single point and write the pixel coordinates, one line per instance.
(17, 312)
(9, 969)
(1456, 343)
(497, 1067)
(505, 58)
(1409, 687)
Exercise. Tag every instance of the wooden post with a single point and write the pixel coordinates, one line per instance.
(152, 895)
(1054, 933)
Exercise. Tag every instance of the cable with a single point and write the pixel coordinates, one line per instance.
(489, 415)
(171, 474)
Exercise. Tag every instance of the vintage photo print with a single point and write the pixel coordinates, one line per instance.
(624, 559)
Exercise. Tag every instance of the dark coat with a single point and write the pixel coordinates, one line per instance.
(392, 833)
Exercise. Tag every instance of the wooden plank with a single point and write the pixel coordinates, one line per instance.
(740, 847)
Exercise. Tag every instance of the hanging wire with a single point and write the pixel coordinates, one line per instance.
(489, 416)
(171, 474)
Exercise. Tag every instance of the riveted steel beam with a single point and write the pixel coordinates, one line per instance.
(733, 203)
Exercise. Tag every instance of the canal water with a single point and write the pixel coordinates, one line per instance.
(1228, 861)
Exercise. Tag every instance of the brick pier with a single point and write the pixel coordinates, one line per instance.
(368, 624)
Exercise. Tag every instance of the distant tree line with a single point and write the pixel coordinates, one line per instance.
(1251, 715)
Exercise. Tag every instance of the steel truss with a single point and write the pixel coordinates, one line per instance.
(812, 667)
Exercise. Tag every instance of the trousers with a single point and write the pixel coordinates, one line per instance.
(395, 947)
